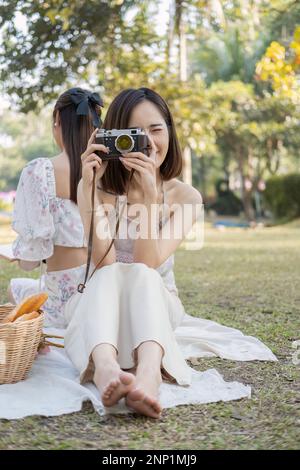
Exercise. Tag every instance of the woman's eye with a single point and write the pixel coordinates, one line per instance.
(156, 130)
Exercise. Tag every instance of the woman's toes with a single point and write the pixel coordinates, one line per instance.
(153, 403)
(110, 388)
(117, 389)
(127, 378)
(143, 404)
(136, 394)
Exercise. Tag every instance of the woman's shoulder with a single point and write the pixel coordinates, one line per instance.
(38, 174)
(182, 193)
(38, 163)
(40, 168)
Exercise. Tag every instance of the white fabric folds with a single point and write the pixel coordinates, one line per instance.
(53, 387)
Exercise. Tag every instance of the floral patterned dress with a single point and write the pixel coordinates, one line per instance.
(42, 220)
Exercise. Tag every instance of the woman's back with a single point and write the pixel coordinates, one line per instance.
(66, 256)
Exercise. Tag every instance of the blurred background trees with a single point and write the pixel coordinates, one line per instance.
(228, 69)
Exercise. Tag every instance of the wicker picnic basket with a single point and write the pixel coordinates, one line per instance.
(19, 343)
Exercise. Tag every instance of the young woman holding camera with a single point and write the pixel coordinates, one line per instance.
(120, 330)
(46, 216)
(120, 327)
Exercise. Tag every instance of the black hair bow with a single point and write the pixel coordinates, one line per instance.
(84, 101)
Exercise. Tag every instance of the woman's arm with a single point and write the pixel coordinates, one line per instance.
(28, 265)
(152, 248)
(101, 230)
(101, 234)
(32, 218)
(154, 251)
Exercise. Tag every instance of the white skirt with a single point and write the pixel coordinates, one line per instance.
(125, 304)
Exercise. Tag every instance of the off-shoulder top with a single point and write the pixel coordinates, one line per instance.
(40, 218)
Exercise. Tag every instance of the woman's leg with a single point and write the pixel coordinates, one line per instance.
(143, 398)
(110, 380)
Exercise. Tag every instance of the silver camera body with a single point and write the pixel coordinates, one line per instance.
(122, 141)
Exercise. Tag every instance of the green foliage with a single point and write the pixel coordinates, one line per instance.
(23, 137)
(233, 123)
(64, 42)
(227, 203)
(282, 195)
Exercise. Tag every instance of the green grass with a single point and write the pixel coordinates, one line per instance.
(248, 279)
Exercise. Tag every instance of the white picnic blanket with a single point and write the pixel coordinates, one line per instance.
(52, 387)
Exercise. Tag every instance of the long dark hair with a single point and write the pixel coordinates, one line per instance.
(76, 131)
(115, 178)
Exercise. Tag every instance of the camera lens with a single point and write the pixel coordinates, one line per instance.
(124, 143)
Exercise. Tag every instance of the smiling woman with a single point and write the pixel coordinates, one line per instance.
(120, 331)
(146, 108)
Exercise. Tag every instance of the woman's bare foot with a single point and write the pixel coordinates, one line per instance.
(113, 384)
(143, 398)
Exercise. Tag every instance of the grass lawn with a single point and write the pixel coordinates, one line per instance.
(248, 279)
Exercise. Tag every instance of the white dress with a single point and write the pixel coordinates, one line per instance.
(42, 220)
(127, 303)
(151, 311)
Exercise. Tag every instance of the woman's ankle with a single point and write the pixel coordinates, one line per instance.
(108, 364)
(149, 369)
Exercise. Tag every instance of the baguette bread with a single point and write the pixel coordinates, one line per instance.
(27, 316)
(28, 305)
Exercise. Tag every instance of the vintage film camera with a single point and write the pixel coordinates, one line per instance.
(122, 141)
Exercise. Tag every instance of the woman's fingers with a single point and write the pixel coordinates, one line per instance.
(91, 162)
(137, 161)
(140, 156)
(90, 165)
(138, 167)
(99, 147)
(91, 149)
(92, 157)
(146, 165)
(92, 138)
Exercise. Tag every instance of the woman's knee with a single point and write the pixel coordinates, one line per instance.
(140, 272)
(142, 268)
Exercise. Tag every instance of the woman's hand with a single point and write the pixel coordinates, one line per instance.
(44, 350)
(91, 160)
(145, 171)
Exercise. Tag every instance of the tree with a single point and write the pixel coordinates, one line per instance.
(65, 42)
(253, 133)
(280, 65)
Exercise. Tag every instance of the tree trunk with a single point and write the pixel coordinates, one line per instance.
(187, 165)
(170, 41)
(182, 69)
(246, 193)
(247, 203)
(203, 176)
